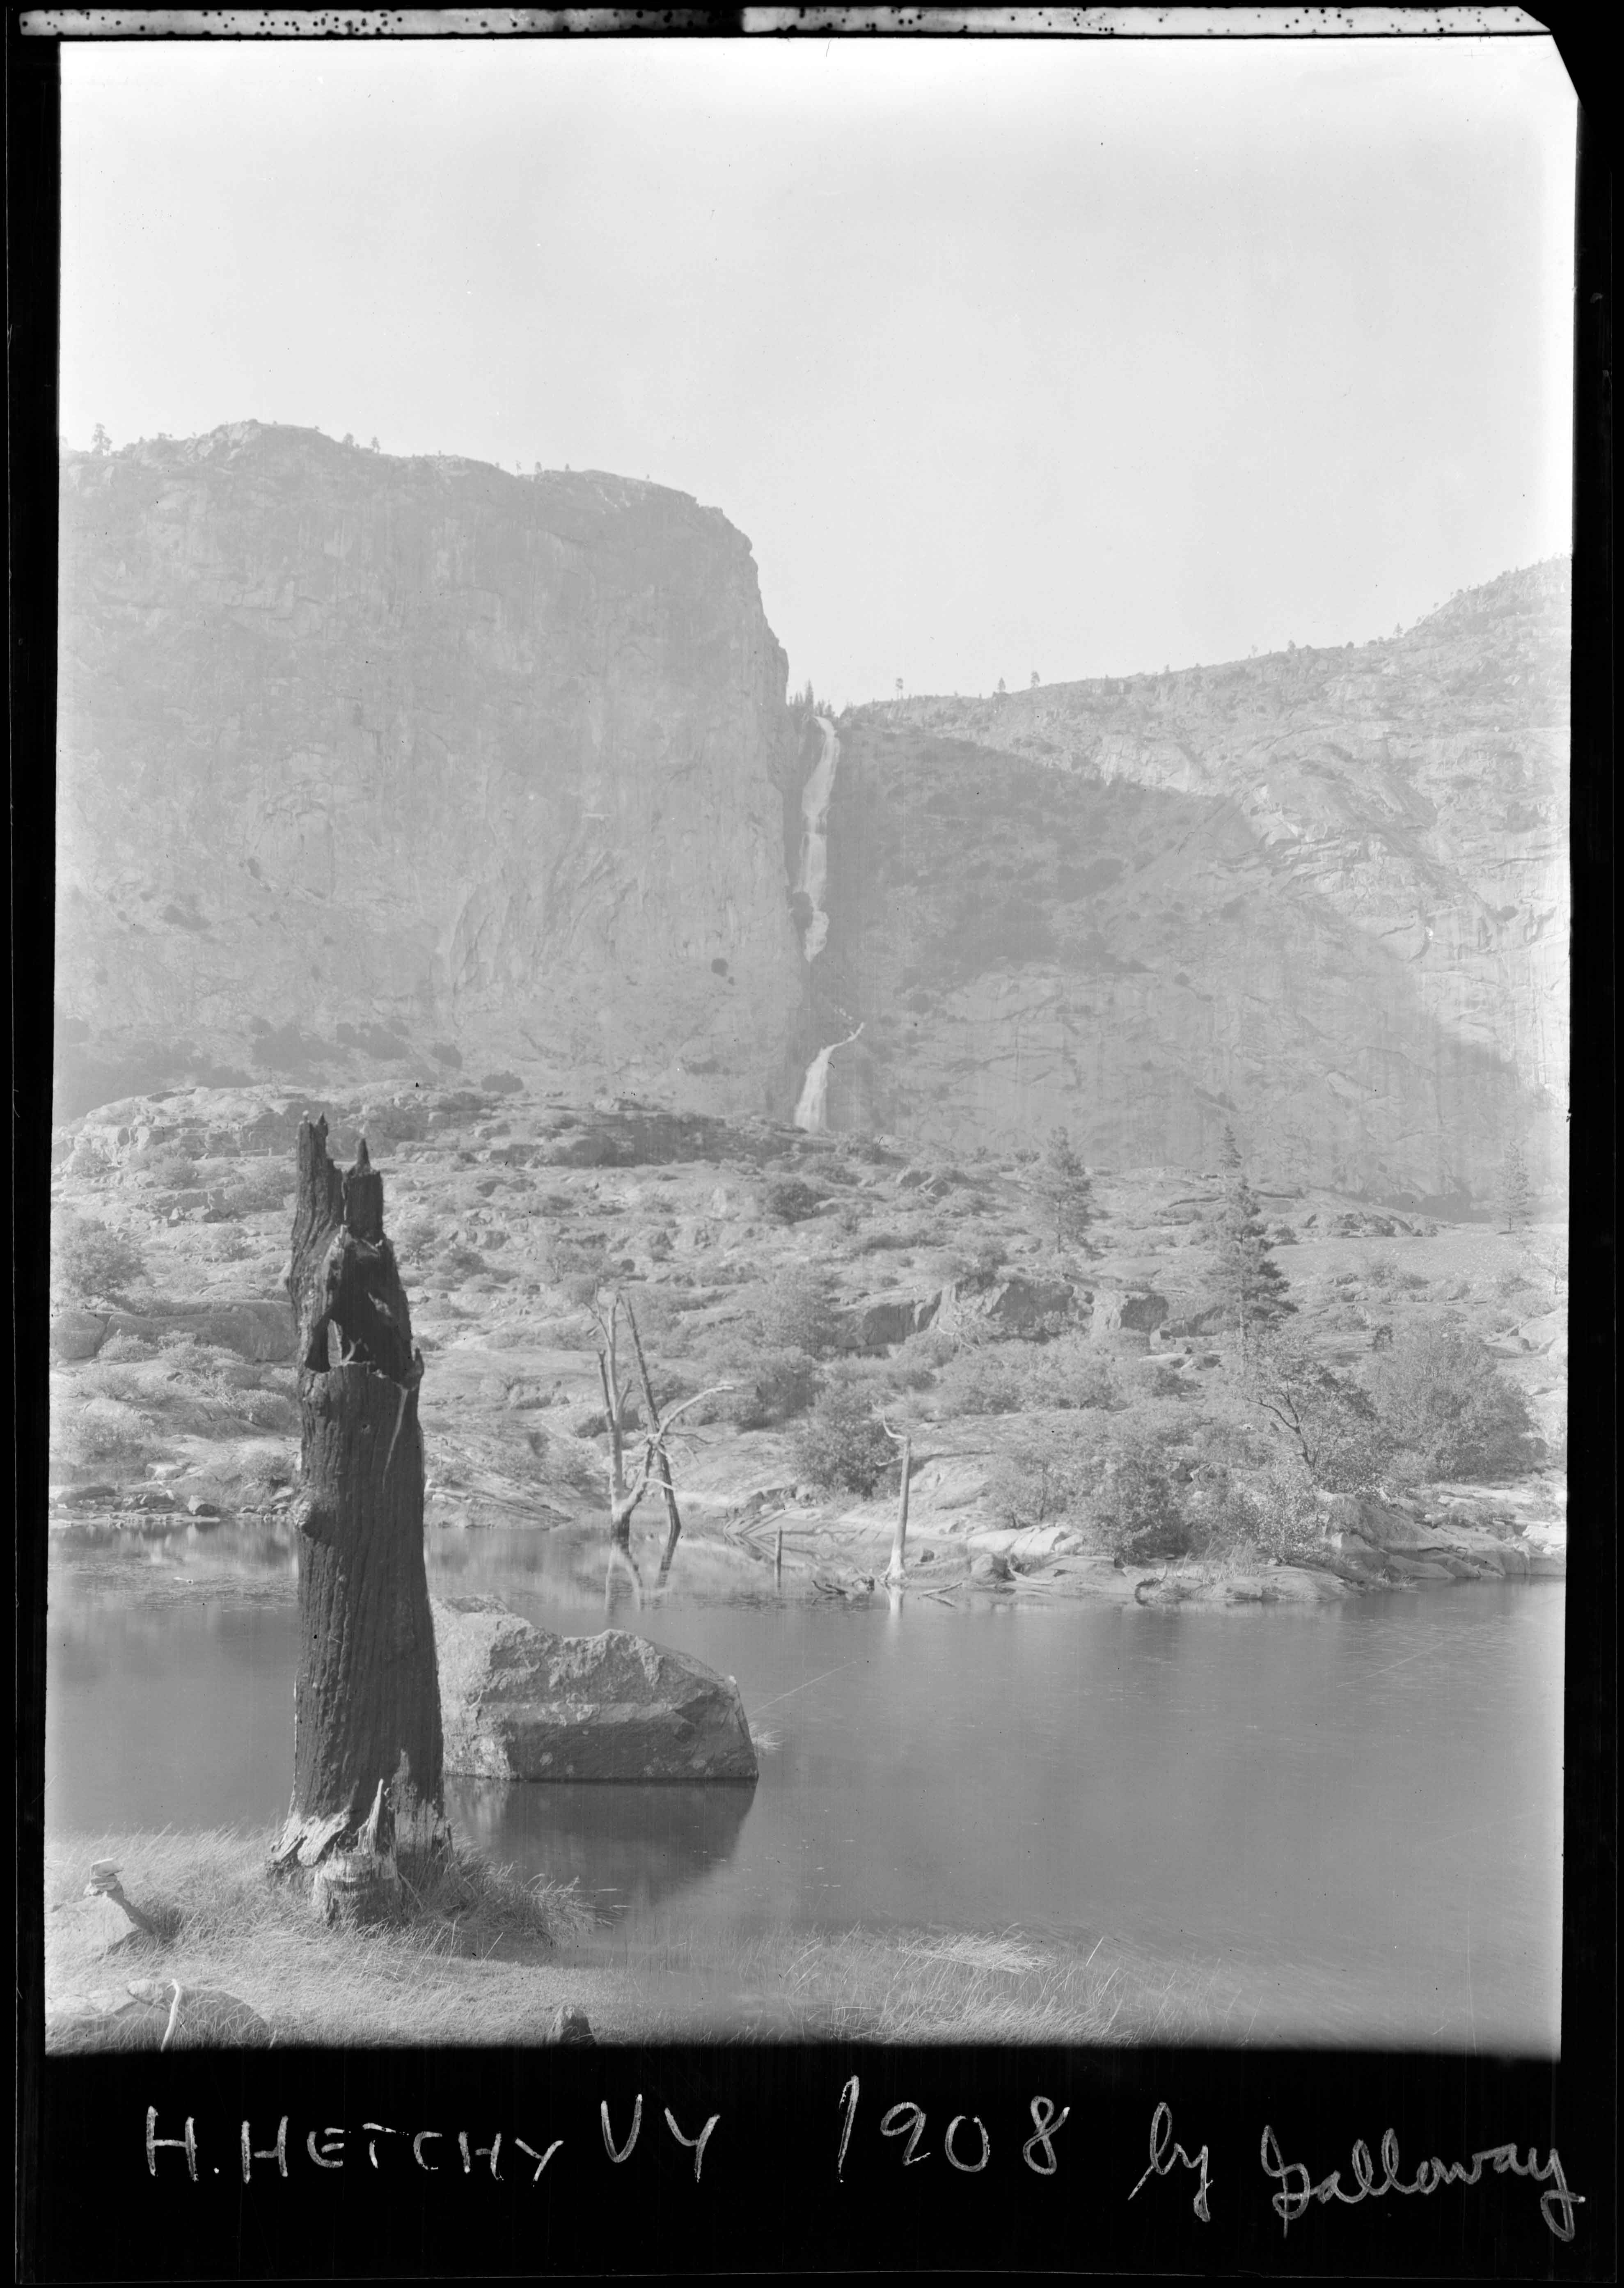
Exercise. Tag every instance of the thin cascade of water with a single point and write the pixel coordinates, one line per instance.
(814, 879)
(812, 885)
(809, 1111)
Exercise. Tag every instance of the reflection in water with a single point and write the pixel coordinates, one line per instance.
(1355, 1812)
(629, 1846)
(622, 1581)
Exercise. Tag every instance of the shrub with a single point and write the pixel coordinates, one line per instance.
(92, 1261)
(257, 1190)
(169, 1168)
(1328, 1422)
(994, 1377)
(272, 1410)
(1140, 1503)
(770, 1386)
(88, 1161)
(986, 1380)
(790, 1201)
(911, 1366)
(793, 1311)
(459, 1263)
(842, 1446)
(1446, 1411)
(413, 1231)
(578, 1268)
(876, 1243)
(1043, 1472)
(1273, 1513)
(115, 1381)
(105, 1433)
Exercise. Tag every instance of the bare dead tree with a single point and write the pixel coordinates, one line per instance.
(899, 1534)
(662, 1461)
(366, 1746)
(621, 1562)
(628, 1485)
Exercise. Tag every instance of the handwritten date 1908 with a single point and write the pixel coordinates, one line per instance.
(968, 2150)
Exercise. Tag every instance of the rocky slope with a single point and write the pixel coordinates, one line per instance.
(172, 1409)
(369, 765)
(1322, 895)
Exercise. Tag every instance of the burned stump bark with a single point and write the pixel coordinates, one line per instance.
(367, 1749)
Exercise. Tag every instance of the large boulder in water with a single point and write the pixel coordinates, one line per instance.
(517, 1702)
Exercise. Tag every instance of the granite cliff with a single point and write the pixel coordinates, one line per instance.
(1320, 895)
(372, 766)
(377, 771)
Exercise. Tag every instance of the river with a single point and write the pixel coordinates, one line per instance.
(1350, 1815)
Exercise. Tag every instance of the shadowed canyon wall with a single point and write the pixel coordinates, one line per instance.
(367, 765)
(1322, 895)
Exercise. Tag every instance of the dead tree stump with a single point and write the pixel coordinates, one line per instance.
(367, 1747)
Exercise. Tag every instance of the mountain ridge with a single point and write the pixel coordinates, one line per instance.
(376, 769)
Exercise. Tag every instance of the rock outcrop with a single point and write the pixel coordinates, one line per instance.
(519, 1703)
(161, 2015)
(1321, 896)
(369, 765)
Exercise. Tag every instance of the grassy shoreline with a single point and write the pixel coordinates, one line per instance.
(498, 1971)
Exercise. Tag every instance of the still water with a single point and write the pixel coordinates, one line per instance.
(1351, 1815)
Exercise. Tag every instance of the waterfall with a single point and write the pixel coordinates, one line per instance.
(815, 1090)
(814, 879)
(813, 883)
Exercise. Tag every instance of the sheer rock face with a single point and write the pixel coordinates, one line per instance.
(1320, 896)
(364, 759)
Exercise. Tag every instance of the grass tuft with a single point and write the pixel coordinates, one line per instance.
(226, 1921)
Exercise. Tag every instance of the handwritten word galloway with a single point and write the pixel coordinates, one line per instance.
(1298, 2189)
(332, 2149)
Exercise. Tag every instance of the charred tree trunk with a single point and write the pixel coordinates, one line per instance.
(367, 1748)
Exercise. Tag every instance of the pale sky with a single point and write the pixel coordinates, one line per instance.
(1085, 357)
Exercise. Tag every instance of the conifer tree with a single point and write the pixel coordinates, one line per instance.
(1251, 1285)
(1063, 1183)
